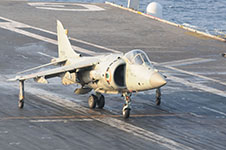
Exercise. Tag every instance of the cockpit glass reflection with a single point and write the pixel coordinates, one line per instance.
(138, 60)
(138, 57)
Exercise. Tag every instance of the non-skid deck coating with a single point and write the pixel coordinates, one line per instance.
(193, 110)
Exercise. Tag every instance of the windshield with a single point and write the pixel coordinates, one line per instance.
(138, 60)
(138, 57)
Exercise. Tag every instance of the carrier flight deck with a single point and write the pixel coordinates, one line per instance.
(192, 114)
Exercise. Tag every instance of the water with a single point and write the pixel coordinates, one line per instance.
(204, 15)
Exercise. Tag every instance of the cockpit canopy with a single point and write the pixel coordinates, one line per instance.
(138, 57)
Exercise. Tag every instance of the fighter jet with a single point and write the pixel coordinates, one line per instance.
(115, 73)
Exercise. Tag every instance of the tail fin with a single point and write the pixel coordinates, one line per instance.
(64, 46)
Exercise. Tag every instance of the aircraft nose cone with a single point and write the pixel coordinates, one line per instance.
(157, 80)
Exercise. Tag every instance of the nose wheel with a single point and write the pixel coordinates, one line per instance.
(127, 106)
(158, 96)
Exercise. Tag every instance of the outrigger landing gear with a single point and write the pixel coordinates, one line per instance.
(126, 108)
(97, 99)
(21, 95)
(158, 96)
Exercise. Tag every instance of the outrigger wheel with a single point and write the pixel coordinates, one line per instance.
(21, 104)
(158, 96)
(21, 94)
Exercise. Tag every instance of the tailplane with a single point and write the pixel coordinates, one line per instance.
(64, 46)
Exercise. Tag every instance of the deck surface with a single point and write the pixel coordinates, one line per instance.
(193, 110)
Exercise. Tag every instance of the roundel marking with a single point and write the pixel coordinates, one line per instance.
(108, 76)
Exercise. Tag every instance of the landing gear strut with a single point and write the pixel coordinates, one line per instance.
(158, 96)
(97, 99)
(126, 108)
(21, 95)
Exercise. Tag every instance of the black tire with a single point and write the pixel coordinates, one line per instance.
(126, 113)
(101, 102)
(21, 104)
(158, 97)
(92, 101)
(158, 101)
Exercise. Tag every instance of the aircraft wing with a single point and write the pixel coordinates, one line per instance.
(54, 61)
(57, 71)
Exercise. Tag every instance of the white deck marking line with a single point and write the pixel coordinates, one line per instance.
(121, 125)
(196, 75)
(41, 53)
(22, 25)
(58, 120)
(62, 6)
(80, 41)
(212, 73)
(184, 62)
(11, 25)
(198, 86)
(118, 124)
(213, 110)
(196, 115)
(142, 133)
(18, 24)
(111, 121)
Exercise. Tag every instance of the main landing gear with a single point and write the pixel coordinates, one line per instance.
(127, 106)
(158, 96)
(97, 99)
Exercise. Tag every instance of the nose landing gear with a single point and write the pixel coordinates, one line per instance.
(127, 106)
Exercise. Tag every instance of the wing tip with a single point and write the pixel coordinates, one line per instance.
(14, 79)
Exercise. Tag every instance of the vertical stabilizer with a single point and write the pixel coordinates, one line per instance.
(64, 46)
